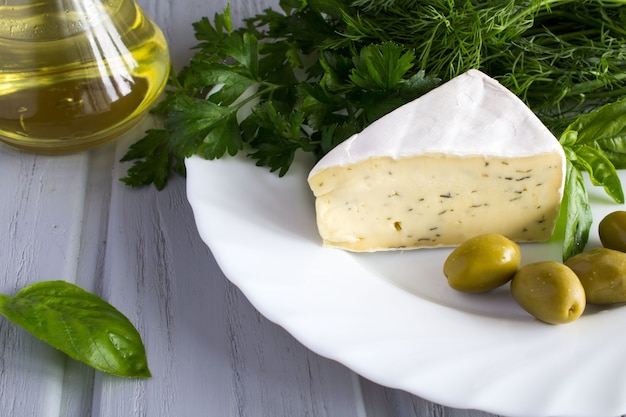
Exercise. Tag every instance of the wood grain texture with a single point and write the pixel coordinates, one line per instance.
(39, 215)
(175, 19)
(210, 352)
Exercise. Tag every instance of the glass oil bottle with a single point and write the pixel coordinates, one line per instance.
(76, 73)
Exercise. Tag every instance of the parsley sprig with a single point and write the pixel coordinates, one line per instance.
(308, 76)
(274, 92)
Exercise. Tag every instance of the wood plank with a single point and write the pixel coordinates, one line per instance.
(175, 20)
(211, 353)
(381, 401)
(40, 219)
(208, 348)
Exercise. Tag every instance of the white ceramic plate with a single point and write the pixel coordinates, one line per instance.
(391, 316)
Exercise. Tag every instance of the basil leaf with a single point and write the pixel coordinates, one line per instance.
(212, 35)
(583, 143)
(615, 150)
(577, 211)
(80, 324)
(607, 122)
(601, 170)
(604, 130)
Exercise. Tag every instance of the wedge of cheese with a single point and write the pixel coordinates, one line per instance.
(467, 158)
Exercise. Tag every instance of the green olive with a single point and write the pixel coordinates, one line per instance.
(602, 272)
(550, 291)
(612, 230)
(482, 263)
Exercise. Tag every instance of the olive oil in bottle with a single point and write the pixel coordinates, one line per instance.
(76, 73)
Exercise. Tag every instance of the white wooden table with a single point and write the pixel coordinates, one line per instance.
(210, 352)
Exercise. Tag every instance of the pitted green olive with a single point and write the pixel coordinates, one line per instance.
(602, 272)
(550, 291)
(612, 231)
(482, 263)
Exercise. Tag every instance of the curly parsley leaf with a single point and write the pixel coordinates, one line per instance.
(223, 137)
(153, 162)
(232, 82)
(381, 67)
(212, 34)
(277, 137)
(191, 123)
(241, 91)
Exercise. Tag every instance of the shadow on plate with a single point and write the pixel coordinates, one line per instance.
(420, 272)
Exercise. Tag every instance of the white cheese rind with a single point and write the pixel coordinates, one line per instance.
(470, 115)
(467, 158)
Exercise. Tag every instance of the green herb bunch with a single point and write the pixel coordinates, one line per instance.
(275, 87)
(561, 57)
(307, 77)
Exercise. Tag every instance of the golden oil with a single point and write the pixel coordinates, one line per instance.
(76, 73)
